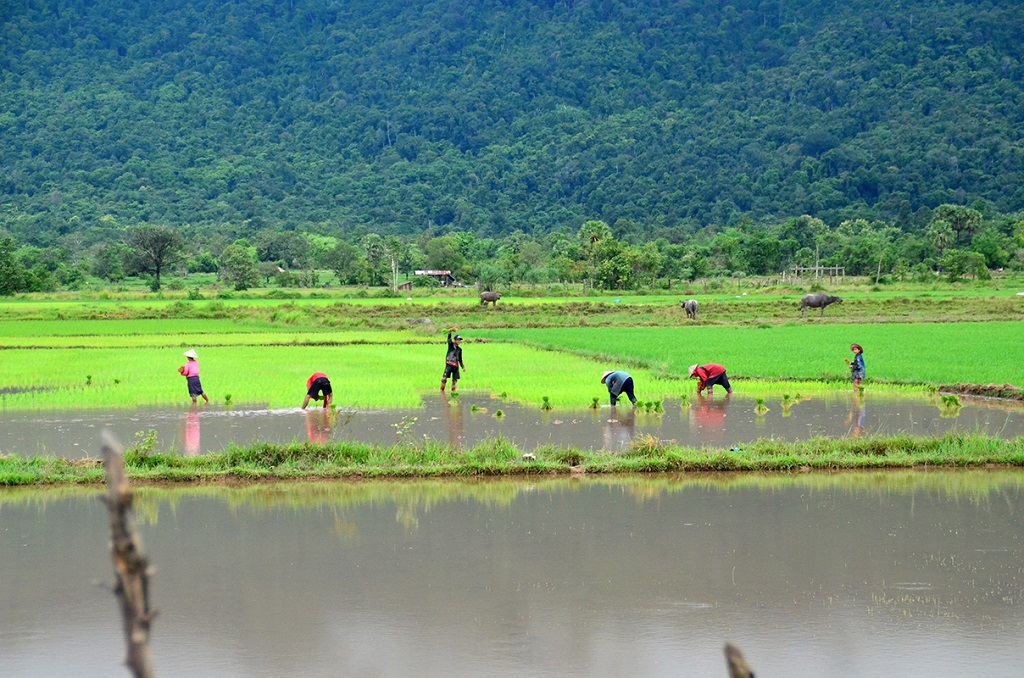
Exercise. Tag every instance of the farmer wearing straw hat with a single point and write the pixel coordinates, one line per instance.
(618, 383)
(317, 386)
(453, 360)
(190, 370)
(709, 376)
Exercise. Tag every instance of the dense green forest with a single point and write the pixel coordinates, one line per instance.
(490, 116)
(617, 142)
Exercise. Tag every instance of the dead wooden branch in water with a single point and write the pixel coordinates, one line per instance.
(737, 664)
(130, 566)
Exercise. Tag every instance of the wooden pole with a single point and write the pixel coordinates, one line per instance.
(131, 569)
(737, 664)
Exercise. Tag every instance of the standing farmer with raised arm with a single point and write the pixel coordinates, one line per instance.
(453, 360)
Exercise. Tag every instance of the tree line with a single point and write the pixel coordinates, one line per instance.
(955, 242)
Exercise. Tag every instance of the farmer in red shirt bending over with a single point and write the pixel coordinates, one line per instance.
(708, 376)
(318, 386)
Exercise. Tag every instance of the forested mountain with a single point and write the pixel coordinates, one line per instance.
(654, 116)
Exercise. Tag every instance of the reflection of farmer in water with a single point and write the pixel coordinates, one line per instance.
(191, 425)
(856, 417)
(318, 386)
(619, 429)
(318, 426)
(453, 419)
(453, 360)
(709, 414)
(618, 383)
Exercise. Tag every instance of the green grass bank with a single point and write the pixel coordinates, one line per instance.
(263, 462)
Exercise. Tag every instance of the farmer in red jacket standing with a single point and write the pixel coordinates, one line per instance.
(708, 376)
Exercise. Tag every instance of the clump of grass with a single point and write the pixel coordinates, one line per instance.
(646, 446)
(227, 400)
(658, 407)
(950, 406)
(546, 405)
(760, 408)
(88, 380)
(595, 404)
(498, 414)
(684, 401)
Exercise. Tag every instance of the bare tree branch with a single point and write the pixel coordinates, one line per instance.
(130, 566)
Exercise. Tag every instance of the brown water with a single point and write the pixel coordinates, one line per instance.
(897, 573)
(718, 422)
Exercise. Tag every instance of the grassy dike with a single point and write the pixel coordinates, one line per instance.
(497, 458)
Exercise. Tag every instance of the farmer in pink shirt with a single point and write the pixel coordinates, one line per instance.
(190, 370)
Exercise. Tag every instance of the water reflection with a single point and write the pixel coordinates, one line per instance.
(881, 573)
(318, 425)
(717, 421)
(453, 418)
(708, 417)
(855, 420)
(619, 427)
(191, 432)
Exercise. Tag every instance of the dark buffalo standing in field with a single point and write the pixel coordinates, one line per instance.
(491, 297)
(817, 301)
(690, 306)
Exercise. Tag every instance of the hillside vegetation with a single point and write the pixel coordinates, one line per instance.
(657, 118)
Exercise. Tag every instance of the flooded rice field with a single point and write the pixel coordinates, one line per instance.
(851, 574)
(714, 422)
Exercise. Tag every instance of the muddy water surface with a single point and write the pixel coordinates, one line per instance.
(897, 573)
(718, 422)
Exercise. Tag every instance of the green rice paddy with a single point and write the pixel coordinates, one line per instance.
(261, 354)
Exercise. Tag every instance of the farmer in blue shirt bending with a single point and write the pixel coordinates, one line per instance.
(618, 383)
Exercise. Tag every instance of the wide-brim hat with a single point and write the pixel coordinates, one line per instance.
(605, 376)
(692, 369)
(191, 354)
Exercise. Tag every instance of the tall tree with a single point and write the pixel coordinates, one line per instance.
(154, 248)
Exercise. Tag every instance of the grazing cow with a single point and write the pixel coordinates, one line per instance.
(491, 297)
(817, 301)
(690, 306)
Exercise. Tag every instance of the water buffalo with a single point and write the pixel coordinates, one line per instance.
(491, 297)
(690, 306)
(817, 301)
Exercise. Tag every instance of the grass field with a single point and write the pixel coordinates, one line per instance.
(894, 353)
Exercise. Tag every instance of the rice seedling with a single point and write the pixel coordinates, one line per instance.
(403, 429)
(760, 408)
(684, 401)
(498, 414)
(595, 404)
(546, 404)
